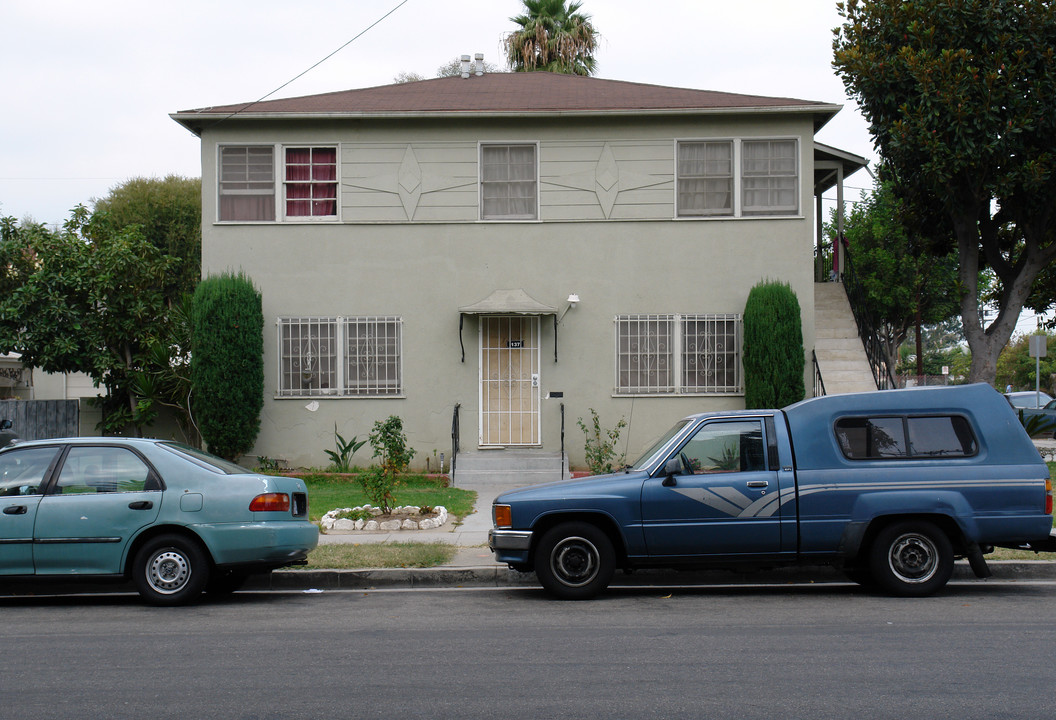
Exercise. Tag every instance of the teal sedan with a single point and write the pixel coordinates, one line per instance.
(173, 519)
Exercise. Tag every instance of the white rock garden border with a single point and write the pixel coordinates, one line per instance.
(409, 519)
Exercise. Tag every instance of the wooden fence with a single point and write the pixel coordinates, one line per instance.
(41, 419)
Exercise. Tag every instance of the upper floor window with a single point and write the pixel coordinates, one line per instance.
(737, 178)
(705, 178)
(247, 186)
(343, 356)
(679, 354)
(311, 182)
(247, 183)
(509, 182)
(770, 177)
(880, 438)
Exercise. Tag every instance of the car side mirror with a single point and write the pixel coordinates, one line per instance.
(672, 467)
(5, 424)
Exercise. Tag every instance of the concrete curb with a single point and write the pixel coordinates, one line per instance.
(501, 576)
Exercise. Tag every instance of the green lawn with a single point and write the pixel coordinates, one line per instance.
(379, 555)
(327, 492)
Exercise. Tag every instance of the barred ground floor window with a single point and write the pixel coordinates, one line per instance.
(340, 356)
(679, 354)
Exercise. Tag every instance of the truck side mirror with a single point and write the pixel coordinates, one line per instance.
(672, 467)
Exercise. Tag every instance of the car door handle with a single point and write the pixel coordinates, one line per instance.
(140, 505)
(15, 510)
(758, 483)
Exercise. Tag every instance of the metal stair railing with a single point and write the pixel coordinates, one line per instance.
(874, 349)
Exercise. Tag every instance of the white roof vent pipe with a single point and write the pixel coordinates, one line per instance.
(465, 66)
(479, 62)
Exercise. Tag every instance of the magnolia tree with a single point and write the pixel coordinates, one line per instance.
(959, 99)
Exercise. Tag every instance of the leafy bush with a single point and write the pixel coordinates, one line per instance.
(774, 358)
(600, 444)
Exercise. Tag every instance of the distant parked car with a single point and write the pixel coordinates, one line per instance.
(1046, 419)
(1028, 399)
(175, 520)
(7, 435)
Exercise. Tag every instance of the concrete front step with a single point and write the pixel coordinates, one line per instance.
(506, 466)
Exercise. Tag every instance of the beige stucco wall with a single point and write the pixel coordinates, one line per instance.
(633, 258)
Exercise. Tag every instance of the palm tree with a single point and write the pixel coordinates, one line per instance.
(552, 37)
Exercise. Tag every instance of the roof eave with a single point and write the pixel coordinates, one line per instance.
(195, 121)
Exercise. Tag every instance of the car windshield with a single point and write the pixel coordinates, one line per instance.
(203, 458)
(656, 447)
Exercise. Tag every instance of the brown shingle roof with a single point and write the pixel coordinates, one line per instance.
(512, 93)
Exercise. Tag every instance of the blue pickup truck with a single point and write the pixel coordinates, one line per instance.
(890, 486)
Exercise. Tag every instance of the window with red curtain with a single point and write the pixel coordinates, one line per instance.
(311, 182)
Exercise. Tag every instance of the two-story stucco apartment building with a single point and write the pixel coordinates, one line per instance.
(512, 249)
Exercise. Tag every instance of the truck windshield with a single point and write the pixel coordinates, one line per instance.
(649, 455)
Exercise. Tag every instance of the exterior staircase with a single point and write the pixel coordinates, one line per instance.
(841, 356)
(509, 467)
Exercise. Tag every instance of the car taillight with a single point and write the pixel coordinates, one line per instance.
(1048, 496)
(271, 502)
(502, 516)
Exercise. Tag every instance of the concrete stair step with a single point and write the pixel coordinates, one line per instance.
(518, 467)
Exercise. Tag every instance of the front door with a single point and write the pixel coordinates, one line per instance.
(509, 380)
(23, 472)
(102, 497)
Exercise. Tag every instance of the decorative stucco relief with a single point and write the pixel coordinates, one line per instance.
(408, 180)
(606, 180)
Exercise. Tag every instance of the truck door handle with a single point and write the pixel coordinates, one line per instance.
(758, 483)
(141, 505)
(15, 510)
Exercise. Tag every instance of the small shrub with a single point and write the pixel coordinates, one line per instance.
(390, 444)
(600, 444)
(341, 458)
(266, 464)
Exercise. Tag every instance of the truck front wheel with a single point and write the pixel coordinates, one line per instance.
(575, 560)
(911, 558)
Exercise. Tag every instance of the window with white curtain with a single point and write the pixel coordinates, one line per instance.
(679, 354)
(770, 182)
(737, 177)
(247, 183)
(508, 182)
(705, 178)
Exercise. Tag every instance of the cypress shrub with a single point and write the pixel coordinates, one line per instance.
(227, 363)
(773, 347)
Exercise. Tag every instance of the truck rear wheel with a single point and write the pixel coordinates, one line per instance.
(911, 558)
(575, 561)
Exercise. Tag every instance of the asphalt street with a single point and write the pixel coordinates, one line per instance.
(977, 650)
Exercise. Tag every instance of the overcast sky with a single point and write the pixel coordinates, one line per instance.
(88, 86)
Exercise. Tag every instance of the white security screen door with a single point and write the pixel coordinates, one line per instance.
(509, 380)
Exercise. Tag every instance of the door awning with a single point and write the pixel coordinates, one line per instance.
(506, 302)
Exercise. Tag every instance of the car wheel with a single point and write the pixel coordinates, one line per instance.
(575, 561)
(911, 559)
(170, 570)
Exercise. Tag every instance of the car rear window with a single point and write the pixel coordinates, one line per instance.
(206, 459)
(882, 438)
